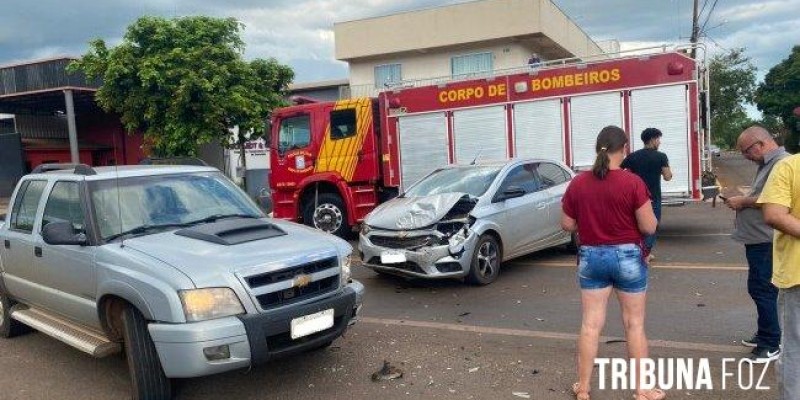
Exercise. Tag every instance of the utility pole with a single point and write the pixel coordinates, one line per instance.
(695, 28)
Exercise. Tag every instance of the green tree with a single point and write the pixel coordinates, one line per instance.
(779, 95)
(733, 81)
(184, 82)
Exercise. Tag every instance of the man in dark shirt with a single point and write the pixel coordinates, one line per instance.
(650, 164)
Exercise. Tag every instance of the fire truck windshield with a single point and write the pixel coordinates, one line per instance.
(295, 133)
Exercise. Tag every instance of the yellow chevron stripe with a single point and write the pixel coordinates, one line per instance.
(365, 121)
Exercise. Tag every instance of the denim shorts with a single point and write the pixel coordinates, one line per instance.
(619, 265)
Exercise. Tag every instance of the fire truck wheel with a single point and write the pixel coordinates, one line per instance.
(329, 215)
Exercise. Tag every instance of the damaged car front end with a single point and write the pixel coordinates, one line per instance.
(422, 237)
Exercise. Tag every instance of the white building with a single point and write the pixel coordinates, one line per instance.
(456, 41)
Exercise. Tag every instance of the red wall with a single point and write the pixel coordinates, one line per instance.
(106, 129)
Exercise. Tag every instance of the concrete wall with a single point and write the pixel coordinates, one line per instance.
(417, 66)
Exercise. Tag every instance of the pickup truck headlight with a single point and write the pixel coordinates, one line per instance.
(346, 274)
(209, 303)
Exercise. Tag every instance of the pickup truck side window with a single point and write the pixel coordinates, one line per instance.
(23, 214)
(64, 204)
(295, 133)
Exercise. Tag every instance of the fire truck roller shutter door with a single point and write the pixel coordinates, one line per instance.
(588, 115)
(665, 108)
(423, 145)
(480, 131)
(538, 129)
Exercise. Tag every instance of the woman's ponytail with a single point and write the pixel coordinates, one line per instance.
(610, 140)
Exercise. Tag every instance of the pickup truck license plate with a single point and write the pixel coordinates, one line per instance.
(392, 257)
(312, 323)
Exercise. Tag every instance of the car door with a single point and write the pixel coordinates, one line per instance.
(20, 275)
(525, 217)
(67, 271)
(554, 181)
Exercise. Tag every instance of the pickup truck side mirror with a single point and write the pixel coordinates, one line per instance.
(62, 233)
(510, 192)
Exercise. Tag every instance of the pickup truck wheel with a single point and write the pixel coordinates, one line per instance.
(147, 376)
(328, 215)
(8, 326)
(485, 261)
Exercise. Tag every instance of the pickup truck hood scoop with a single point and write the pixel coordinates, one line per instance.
(233, 231)
(208, 263)
(403, 213)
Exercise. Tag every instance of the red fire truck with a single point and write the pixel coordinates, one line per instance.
(333, 162)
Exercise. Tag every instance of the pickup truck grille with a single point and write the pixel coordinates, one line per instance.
(287, 292)
(395, 242)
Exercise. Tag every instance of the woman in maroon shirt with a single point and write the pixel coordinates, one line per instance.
(610, 209)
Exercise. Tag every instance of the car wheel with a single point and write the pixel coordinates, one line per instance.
(329, 215)
(9, 327)
(147, 377)
(485, 264)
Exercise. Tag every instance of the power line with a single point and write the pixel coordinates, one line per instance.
(705, 3)
(708, 16)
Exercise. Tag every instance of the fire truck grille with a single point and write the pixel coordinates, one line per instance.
(394, 242)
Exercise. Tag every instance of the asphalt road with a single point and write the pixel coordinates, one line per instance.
(513, 339)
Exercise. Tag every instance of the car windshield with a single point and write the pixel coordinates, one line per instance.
(473, 180)
(149, 204)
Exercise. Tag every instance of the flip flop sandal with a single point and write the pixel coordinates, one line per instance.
(580, 394)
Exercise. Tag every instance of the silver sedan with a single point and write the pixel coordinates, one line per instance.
(463, 221)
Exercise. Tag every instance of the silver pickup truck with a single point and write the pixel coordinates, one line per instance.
(174, 265)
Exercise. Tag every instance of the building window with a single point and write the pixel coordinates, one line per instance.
(470, 64)
(387, 74)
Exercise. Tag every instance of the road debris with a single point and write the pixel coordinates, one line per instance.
(524, 395)
(387, 372)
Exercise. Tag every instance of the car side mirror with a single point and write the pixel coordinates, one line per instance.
(510, 192)
(62, 233)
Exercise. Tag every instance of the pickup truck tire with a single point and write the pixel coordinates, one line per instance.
(8, 326)
(328, 215)
(485, 261)
(147, 377)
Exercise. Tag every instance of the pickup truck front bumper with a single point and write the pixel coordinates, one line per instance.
(251, 339)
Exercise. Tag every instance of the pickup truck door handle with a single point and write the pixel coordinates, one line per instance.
(37, 251)
(7, 244)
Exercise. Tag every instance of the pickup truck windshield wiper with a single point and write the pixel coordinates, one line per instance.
(143, 229)
(217, 217)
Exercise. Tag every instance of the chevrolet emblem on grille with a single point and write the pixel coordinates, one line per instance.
(301, 280)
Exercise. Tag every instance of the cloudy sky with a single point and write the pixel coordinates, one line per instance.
(300, 32)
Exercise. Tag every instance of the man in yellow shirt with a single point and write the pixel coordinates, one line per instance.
(780, 201)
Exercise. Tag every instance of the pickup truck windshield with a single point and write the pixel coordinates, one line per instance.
(142, 205)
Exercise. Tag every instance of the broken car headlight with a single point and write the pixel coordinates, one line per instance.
(209, 303)
(347, 273)
(365, 229)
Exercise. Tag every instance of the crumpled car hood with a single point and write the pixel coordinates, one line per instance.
(405, 213)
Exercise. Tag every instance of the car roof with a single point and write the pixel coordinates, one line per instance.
(500, 163)
(127, 171)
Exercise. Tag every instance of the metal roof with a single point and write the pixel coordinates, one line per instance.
(37, 88)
